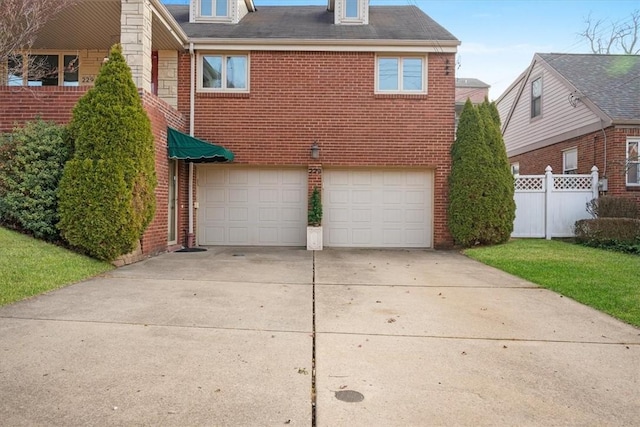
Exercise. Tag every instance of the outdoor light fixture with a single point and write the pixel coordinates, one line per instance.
(315, 150)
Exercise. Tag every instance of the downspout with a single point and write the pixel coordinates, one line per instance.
(604, 172)
(192, 103)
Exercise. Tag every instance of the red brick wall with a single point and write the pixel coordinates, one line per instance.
(590, 152)
(51, 103)
(299, 97)
(161, 116)
(476, 94)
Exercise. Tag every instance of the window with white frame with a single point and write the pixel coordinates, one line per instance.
(351, 9)
(220, 72)
(515, 168)
(43, 70)
(401, 74)
(536, 97)
(633, 162)
(570, 161)
(213, 8)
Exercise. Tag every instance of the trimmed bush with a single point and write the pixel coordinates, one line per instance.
(622, 234)
(314, 216)
(107, 196)
(613, 207)
(31, 163)
(481, 206)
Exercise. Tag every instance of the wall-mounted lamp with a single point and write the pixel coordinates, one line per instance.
(315, 150)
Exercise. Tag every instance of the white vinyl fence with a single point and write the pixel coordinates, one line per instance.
(549, 205)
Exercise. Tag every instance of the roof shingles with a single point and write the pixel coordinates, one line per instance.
(612, 82)
(316, 23)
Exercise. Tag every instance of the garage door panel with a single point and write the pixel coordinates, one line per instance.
(378, 208)
(251, 206)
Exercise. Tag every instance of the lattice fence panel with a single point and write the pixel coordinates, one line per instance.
(572, 182)
(529, 183)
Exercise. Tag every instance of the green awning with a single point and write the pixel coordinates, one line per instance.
(185, 147)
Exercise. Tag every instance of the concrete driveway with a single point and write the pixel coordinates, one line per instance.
(226, 337)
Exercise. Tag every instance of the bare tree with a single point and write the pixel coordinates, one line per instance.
(20, 22)
(613, 37)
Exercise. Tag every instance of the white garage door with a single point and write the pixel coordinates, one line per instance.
(378, 208)
(251, 206)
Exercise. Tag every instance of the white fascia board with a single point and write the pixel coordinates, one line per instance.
(327, 45)
(169, 22)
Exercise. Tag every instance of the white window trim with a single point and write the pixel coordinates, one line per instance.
(224, 72)
(400, 91)
(564, 161)
(515, 168)
(60, 53)
(630, 162)
(213, 18)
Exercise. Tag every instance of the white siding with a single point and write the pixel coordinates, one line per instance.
(558, 116)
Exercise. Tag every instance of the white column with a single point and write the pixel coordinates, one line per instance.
(135, 37)
(594, 181)
(548, 188)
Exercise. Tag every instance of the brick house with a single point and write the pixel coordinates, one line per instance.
(354, 99)
(473, 89)
(574, 111)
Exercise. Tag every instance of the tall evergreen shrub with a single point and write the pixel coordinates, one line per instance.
(481, 207)
(31, 162)
(107, 195)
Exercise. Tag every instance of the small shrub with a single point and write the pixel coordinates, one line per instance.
(314, 215)
(621, 234)
(31, 163)
(613, 207)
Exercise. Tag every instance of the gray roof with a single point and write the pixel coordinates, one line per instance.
(612, 82)
(465, 82)
(316, 23)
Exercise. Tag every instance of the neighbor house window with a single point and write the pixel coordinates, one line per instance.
(43, 70)
(633, 162)
(214, 8)
(401, 74)
(224, 73)
(570, 161)
(536, 97)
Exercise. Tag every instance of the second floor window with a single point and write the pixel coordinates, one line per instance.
(214, 8)
(536, 97)
(224, 73)
(400, 74)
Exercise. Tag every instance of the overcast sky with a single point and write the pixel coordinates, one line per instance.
(499, 38)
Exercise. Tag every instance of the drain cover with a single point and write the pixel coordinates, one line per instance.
(349, 396)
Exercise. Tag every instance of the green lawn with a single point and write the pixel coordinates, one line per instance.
(30, 267)
(605, 280)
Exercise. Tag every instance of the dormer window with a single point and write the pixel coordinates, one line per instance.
(351, 9)
(214, 8)
(350, 12)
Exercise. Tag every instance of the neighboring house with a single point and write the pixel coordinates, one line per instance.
(574, 111)
(472, 89)
(354, 99)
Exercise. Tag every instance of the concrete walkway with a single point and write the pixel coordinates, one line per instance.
(226, 337)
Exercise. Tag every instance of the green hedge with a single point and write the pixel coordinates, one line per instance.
(621, 234)
(31, 163)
